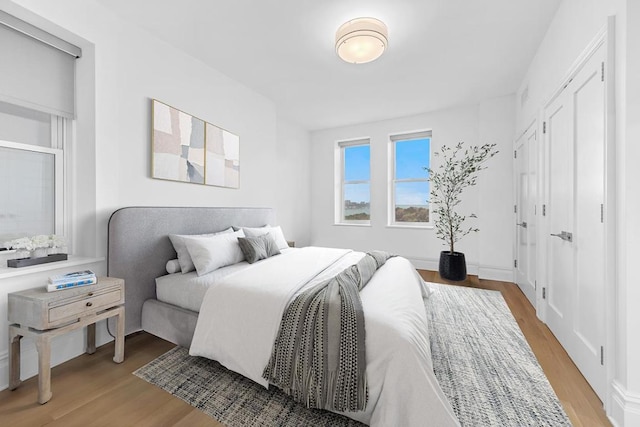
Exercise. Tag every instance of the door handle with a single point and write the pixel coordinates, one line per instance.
(523, 224)
(564, 235)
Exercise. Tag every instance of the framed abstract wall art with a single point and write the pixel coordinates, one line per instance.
(177, 145)
(222, 157)
(187, 149)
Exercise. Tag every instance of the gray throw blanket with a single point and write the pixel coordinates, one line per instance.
(319, 354)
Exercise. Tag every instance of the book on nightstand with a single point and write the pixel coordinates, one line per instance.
(71, 280)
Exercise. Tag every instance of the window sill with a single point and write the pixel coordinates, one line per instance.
(348, 224)
(6, 272)
(420, 227)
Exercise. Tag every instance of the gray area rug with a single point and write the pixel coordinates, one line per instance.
(231, 398)
(484, 363)
(481, 359)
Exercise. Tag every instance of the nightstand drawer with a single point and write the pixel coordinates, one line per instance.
(89, 304)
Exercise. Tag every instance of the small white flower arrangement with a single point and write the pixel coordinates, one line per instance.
(23, 243)
(58, 241)
(41, 241)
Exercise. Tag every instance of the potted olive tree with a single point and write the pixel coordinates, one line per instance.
(458, 170)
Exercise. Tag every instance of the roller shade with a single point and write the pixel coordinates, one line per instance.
(412, 135)
(353, 142)
(37, 69)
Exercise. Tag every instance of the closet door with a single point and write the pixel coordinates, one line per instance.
(526, 150)
(575, 257)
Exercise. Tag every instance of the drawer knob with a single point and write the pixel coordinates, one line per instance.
(90, 294)
(89, 304)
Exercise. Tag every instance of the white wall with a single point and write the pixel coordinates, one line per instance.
(121, 70)
(490, 122)
(293, 194)
(575, 25)
(497, 222)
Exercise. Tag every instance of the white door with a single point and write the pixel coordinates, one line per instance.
(525, 212)
(575, 146)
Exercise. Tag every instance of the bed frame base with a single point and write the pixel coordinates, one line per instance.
(169, 322)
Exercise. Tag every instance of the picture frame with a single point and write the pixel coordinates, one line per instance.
(185, 148)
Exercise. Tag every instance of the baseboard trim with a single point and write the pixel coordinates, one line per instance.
(488, 272)
(424, 263)
(625, 409)
(495, 273)
(433, 264)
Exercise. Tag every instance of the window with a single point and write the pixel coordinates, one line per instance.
(37, 106)
(353, 203)
(409, 192)
(31, 177)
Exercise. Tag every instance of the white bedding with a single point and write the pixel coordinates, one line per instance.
(187, 290)
(241, 313)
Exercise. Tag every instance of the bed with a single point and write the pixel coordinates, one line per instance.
(402, 387)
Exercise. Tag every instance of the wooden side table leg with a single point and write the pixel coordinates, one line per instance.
(91, 338)
(119, 352)
(14, 358)
(43, 345)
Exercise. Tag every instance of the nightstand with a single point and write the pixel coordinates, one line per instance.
(41, 315)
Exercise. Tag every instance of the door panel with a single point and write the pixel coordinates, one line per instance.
(574, 144)
(559, 211)
(532, 202)
(526, 193)
(588, 101)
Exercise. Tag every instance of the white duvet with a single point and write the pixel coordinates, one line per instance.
(240, 316)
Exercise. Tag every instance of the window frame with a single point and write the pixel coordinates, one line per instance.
(393, 139)
(341, 182)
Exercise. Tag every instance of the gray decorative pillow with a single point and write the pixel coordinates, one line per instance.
(257, 248)
(275, 232)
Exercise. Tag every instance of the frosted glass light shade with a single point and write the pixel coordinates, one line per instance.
(361, 40)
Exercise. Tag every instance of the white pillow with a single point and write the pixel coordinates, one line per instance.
(186, 264)
(173, 266)
(276, 233)
(210, 253)
(278, 236)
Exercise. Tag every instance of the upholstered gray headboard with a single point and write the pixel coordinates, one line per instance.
(139, 246)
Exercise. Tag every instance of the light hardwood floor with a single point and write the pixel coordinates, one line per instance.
(93, 391)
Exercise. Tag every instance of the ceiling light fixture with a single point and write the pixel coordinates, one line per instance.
(361, 40)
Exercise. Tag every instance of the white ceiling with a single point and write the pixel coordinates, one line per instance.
(441, 53)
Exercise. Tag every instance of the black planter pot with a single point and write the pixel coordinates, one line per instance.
(452, 266)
